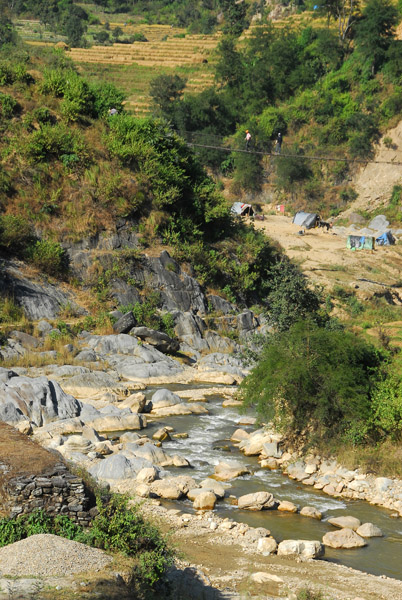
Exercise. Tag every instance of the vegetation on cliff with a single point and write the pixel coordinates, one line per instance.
(69, 170)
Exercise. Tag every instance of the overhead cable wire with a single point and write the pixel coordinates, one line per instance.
(297, 156)
(192, 134)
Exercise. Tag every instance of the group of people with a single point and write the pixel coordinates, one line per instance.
(278, 144)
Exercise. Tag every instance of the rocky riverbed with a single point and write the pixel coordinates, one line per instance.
(101, 413)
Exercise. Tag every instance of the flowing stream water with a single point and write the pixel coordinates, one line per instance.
(207, 445)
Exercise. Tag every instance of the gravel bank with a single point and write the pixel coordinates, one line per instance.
(46, 555)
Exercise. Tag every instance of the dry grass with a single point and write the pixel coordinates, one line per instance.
(21, 455)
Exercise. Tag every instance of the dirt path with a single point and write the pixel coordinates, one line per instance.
(323, 256)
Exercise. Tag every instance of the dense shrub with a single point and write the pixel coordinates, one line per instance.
(387, 408)
(53, 142)
(48, 256)
(118, 527)
(15, 233)
(121, 528)
(8, 106)
(314, 379)
(292, 297)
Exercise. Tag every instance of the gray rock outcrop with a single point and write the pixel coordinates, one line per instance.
(39, 400)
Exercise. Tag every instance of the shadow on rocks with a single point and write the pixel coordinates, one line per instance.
(192, 584)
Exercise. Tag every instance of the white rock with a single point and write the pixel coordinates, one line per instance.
(267, 545)
(368, 530)
(303, 548)
(344, 538)
(262, 577)
(341, 522)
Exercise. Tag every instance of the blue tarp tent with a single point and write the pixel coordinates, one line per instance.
(385, 239)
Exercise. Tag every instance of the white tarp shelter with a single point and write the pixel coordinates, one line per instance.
(243, 210)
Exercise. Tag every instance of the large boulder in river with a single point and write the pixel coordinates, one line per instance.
(226, 471)
(344, 538)
(368, 530)
(163, 398)
(312, 512)
(216, 487)
(253, 445)
(301, 548)
(172, 488)
(204, 500)
(37, 399)
(348, 521)
(257, 501)
(112, 423)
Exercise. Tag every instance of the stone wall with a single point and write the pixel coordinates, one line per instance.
(56, 491)
(32, 477)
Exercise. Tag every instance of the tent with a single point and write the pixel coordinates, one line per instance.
(357, 242)
(385, 239)
(307, 220)
(243, 210)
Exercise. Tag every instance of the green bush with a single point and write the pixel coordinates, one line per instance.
(291, 297)
(121, 528)
(48, 256)
(8, 106)
(387, 408)
(53, 142)
(15, 233)
(317, 381)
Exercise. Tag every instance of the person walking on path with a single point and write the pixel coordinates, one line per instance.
(278, 143)
(248, 139)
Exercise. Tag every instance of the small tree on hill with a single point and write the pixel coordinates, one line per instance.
(375, 32)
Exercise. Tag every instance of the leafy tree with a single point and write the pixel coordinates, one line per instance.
(8, 34)
(291, 170)
(235, 17)
(291, 297)
(375, 32)
(229, 70)
(315, 380)
(165, 90)
(345, 12)
(74, 28)
(249, 171)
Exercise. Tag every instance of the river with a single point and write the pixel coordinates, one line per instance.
(382, 556)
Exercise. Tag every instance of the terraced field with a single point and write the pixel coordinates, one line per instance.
(132, 66)
(169, 50)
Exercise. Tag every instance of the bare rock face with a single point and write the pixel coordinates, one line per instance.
(344, 538)
(38, 400)
(349, 522)
(257, 501)
(301, 548)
